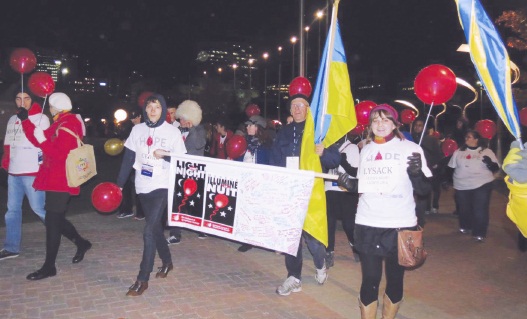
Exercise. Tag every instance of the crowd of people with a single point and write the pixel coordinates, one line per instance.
(409, 175)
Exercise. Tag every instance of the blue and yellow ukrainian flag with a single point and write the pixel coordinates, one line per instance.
(490, 57)
(330, 116)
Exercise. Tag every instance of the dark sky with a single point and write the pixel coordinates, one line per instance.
(157, 37)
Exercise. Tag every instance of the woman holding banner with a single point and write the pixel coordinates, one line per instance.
(390, 170)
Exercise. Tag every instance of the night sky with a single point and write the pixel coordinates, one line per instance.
(158, 37)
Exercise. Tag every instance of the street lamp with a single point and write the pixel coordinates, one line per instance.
(306, 49)
(234, 67)
(279, 81)
(250, 61)
(319, 16)
(293, 42)
(265, 56)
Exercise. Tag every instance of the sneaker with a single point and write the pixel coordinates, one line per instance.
(464, 231)
(5, 254)
(322, 275)
(173, 240)
(125, 215)
(139, 217)
(202, 236)
(291, 284)
(434, 211)
(330, 259)
(427, 212)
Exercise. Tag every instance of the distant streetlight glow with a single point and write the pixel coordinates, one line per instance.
(293, 41)
(120, 115)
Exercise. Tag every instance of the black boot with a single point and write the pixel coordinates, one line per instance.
(522, 242)
(42, 273)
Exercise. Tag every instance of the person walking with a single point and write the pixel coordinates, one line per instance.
(285, 152)
(258, 149)
(56, 144)
(190, 115)
(21, 160)
(148, 151)
(474, 166)
(341, 204)
(391, 169)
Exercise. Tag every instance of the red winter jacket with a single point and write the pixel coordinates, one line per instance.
(217, 149)
(52, 173)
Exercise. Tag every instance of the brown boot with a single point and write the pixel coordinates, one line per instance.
(369, 311)
(389, 309)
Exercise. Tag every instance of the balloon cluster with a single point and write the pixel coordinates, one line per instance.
(106, 197)
(435, 84)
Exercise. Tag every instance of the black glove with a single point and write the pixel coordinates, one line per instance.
(348, 183)
(414, 164)
(346, 165)
(493, 167)
(22, 113)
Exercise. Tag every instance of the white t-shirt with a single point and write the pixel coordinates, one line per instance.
(352, 155)
(386, 199)
(469, 170)
(152, 173)
(24, 157)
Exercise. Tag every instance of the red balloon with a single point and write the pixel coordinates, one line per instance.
(523, 116)
(408, 116)
(41, 84)
(357, 130)
(220, 200)
(300, 85)
(236, 146)
(252, 109)
(106, 197)
(449, 146)
(363, 110)
(486, 128)
(435, 84)
(23, 60)
(142, 98)
(189, 186)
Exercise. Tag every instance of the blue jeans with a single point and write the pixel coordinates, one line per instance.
(154, 205)
(316, 248)
(473, 209)
(17, 188)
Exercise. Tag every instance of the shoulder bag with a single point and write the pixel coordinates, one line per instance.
(80, 163)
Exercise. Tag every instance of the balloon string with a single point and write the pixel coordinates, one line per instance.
(426, 122)
(183, 202)
(214, 212)
(42, 111)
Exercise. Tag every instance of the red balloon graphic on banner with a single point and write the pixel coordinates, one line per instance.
(190, 186)
(486, 128)
(362, 110)
(449, 146)
(435, 84)
(41, 84)
(23, 60)
(106, 197)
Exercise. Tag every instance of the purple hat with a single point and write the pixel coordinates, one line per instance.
(389, 109)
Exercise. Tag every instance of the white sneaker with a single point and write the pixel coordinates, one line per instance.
(322, 275)
(291, 284)
(434, 211)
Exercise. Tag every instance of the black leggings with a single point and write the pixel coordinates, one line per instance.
(371, 266)
(57, 225)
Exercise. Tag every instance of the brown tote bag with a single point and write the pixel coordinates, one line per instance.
(410, 248)
(80, 163)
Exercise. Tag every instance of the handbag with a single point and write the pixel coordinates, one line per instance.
(410, 248)
(80, 163)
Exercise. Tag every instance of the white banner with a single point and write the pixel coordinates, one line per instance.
(257, 204)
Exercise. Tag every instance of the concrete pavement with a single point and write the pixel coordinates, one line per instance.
(461, 279)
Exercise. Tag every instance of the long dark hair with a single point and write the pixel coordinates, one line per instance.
(482, 142)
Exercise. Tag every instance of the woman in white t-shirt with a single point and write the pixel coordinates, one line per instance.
(474, 166)
(390, 170)
(148, 150)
